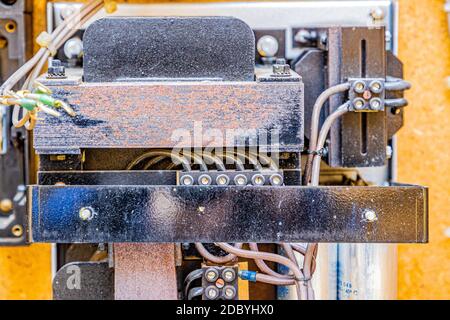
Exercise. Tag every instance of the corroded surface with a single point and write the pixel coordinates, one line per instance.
(144, 271)
(153, 115)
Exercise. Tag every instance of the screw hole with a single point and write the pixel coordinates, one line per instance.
(10, 26)
(17, 230)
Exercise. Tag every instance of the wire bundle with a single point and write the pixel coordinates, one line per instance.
(33, 67)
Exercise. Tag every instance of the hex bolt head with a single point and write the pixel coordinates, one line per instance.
(370, 215)
(222, 180)
(86, 214)
(258, 179)
(187, 180)
(376, 86)
(211, 275)
(358, 103)
(276, 179)
(212, 292)
(229, 292)
(228, 274)
(376, 104)
(204, 180)
(6, 205)
(281, 68)
(359, 86)
(240, 180)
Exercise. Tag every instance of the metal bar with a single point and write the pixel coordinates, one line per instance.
(228, 214)
(144, 271)
(174, 114)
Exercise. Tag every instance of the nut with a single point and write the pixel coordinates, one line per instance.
(228, 274)
(211, 275)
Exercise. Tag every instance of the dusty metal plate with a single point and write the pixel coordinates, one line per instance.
(183, 48)
(164, 115)
(229, 214)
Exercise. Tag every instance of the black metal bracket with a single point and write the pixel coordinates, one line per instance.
(152, 213)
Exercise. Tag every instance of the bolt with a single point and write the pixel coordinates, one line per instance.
(86, 214)
(281, 68)
(359, 86)
(358, 103)
(222, 180)
(376, 86)
(376, 104)
(187, 180)
(258, 179)
(6, 205)
(240, 180)
(370, 215)
(204, 180)
(56, 69)
(377, 14)
(229, 292)
(17, 230)
(228, 274)
(211, 292)
(211, 275)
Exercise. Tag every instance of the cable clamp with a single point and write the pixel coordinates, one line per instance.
(45, 41)
(321, 152)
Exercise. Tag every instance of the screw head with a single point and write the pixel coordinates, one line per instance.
(370, 215)
(376, 86)
(229, 292)
(86, 214)
(211, 275)
(258, 179)
(359, 86)
(187, 180)
(276, 179)
(376, 104)
(240, 180)
(222, 180)
(6, 205)
(228, 274)
(204, 180)
(211, 292)
(220, 283)
(358, 103)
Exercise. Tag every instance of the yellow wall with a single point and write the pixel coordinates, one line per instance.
(424, 158)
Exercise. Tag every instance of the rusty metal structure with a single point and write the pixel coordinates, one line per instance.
(191, 133)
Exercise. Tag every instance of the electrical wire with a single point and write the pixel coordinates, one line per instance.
(315, 119)
(192, 276)
(340, 111)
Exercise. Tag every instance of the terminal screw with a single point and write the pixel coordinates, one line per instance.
(204, 180)
(222, 180)
(240, 180)
(276, 179)
(211, 275)
(229, 292)
(258, 180)
(228, 274)
(187, 180)
(212, 292)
